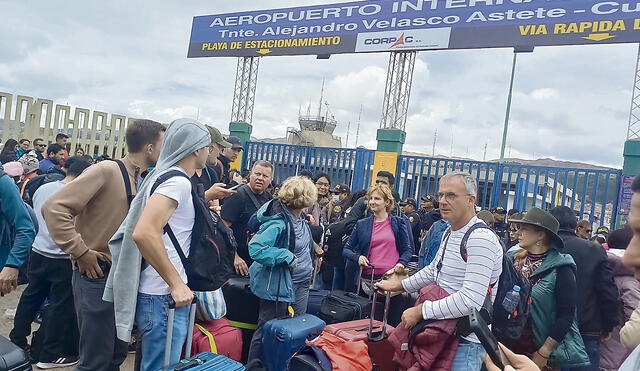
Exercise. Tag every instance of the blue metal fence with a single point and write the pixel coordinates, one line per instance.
(593, 194)
(341, 164)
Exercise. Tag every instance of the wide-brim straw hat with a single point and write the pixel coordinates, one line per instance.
(544, 220)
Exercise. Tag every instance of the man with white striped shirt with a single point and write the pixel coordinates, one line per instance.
(466, 282)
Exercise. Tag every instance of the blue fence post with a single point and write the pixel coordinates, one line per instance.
(497, 186)
(359, 169)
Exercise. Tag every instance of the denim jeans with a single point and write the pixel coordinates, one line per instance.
(592, 346)
(100, 348)
(468, 356)
(338, 278)
(151, 320)
(268, 311)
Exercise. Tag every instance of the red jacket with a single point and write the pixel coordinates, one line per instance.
(434, 348)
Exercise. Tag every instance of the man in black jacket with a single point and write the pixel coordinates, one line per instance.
(597, 292)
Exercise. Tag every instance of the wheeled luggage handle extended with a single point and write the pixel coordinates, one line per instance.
(383, 331)
(359, 283)
(170, 320)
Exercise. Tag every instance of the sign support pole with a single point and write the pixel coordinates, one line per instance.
(391, 135)
(244, 95)
(631, 164)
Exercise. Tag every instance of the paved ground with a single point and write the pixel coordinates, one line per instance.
(11, 302)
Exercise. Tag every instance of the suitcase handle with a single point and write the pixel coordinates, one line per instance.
(383, 332)
(170, 319)
(359, 283)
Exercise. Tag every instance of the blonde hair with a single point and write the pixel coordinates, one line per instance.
(385, 192)
(298, 192)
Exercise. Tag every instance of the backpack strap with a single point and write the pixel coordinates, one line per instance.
(445, 241)
(127, 181)
(167, 229)
(465, 238)
(245, 190)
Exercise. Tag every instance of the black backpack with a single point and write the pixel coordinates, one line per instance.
(213, 247)
(36, 182)
(504, 325)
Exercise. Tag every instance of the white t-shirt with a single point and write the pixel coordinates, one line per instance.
(177, 188)
(43, 244)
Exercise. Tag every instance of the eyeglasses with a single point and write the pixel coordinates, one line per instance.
(41, 145)
(323, 184)
(449, 196)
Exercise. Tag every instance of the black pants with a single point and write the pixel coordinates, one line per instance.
(48, 278)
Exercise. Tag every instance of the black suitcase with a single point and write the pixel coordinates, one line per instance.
(242, 309)
(12, 358)
(342, 306)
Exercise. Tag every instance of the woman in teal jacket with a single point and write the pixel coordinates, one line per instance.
(551, 337)
(282, 251)
(17, 233)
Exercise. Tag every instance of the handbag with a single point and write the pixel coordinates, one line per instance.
(210, 305)
(391, 275)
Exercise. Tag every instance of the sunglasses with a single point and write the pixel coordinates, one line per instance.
(41, 145)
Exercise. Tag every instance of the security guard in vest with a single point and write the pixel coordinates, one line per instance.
(409, 207)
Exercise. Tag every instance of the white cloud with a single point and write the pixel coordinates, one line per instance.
(544, 94)
(130, 58)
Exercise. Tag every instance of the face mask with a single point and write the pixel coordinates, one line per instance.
(335, 198)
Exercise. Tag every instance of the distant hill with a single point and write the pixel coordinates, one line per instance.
(555, 163)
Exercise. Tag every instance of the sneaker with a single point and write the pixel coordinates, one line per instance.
(60, 362)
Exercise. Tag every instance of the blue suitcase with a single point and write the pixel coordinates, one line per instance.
(201, 361)
(282, 338)
(207, 361)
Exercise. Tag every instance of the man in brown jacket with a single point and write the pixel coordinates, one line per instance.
(82, 218)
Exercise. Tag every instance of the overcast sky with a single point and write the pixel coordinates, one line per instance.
(129, 57)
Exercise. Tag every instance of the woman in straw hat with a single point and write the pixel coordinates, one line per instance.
(551, 337)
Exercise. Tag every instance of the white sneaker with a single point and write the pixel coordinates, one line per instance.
(60, 362)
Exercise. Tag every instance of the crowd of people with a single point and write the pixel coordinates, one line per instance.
(104, 247)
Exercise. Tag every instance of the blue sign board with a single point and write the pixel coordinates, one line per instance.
(625, 194)
(392, 25)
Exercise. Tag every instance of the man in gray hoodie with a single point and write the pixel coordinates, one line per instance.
(143, 295)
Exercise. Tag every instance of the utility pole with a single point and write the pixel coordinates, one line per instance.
(435, 138)
(346, 142)
(358, 127)
(516, 50)
(451, 148)
(321, 98)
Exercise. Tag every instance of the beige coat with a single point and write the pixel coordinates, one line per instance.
(630, 332)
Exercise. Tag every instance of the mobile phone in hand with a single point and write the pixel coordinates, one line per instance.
(234, 187)
(489, 342)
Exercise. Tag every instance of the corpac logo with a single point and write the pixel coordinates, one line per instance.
(394, 41)
(437, 38)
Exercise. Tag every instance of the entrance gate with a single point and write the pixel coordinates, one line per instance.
(591, 193)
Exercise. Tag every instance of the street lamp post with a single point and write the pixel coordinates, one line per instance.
(516, 50)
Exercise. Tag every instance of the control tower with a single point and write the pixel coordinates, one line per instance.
(315, 130)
